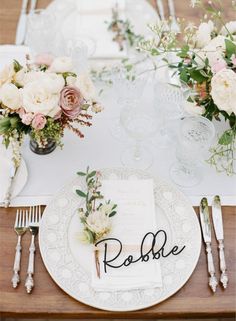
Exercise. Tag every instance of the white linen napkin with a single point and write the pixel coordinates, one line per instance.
(135, 217)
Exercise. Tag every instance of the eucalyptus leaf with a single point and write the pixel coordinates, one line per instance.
(93, 173)
(226, 138)
(112, 214)
(230, 48)
(81, 173)
(80, 193)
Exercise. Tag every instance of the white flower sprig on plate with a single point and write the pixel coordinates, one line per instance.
(96, 214)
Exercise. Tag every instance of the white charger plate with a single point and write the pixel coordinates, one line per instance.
(69, 262)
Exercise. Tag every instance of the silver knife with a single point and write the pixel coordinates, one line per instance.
(206, 232)
(13, 172)
(174, 24)
(218, 227)
(33, 4)
(21, 26)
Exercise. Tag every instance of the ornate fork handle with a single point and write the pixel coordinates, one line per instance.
(29, 283)
(224, 277)
(16, 278)
(211, 269)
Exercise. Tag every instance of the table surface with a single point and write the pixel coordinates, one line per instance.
(194, 300)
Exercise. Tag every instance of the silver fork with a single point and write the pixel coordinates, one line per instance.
(34, 221)
(20, 227)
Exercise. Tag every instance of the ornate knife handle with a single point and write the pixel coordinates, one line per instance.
(211, 269)
(29, 283)
(8, 195)
(16, 278)
(224, 277)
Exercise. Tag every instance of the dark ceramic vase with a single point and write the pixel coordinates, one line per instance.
(47, 149)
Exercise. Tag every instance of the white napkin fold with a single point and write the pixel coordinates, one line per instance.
(135, 217)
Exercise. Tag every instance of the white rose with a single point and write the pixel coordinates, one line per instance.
(230, 27)
(33, 76)
(193, 108)
(6, 74)
(214, 51)
(38, 97)
(61, 64)
(86, 86)
(10, 96)
(203, 34)
(223, 90)
(98, 222)
(55, 82)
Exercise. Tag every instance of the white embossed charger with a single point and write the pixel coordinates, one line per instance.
(69, 262)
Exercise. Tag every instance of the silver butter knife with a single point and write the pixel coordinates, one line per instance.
(218, 227)
(33, 5)
(13, 172)
(206, 232)
(21, 26)
(174, 24)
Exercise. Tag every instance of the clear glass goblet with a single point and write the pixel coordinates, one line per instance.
(126, 92)
(169, 100)
(41, 31)
(195, 136)
(140, 123)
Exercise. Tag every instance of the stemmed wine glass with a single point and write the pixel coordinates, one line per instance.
(126, 91)
(140, 123)
(41, 31)
(195, 136)
(169, 101)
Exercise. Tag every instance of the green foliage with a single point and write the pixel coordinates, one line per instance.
(17, 66)
(230, 48)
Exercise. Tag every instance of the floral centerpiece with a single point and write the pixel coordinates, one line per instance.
(42, 99)
(97, 213)
(204, 59)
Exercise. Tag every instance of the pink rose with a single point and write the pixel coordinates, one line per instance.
(44, 59)
(71, 101)
(27, 118)
(218, 66)
(39, 121)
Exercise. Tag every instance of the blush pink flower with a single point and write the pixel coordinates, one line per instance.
(71, 101)
(27, 118)
(39, 121)
(218, 66)
(44, 59)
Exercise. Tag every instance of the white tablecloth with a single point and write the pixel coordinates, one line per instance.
(99, 149)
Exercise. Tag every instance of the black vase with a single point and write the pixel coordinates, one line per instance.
(47, 149)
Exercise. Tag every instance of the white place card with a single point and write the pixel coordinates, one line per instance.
(135, 217)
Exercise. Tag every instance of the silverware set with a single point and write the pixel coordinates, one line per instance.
(26, 221)
(22, 22)
(219, 233)
(174, 26)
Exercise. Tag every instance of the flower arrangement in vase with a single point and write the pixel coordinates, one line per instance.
(42, 99)
(204, 60)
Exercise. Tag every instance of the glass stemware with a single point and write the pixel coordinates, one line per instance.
(127, 92)
(195, 136)
(139, 122)
(169, 100)
(41, 31)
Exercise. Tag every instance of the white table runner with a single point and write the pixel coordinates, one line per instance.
(99, 149)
